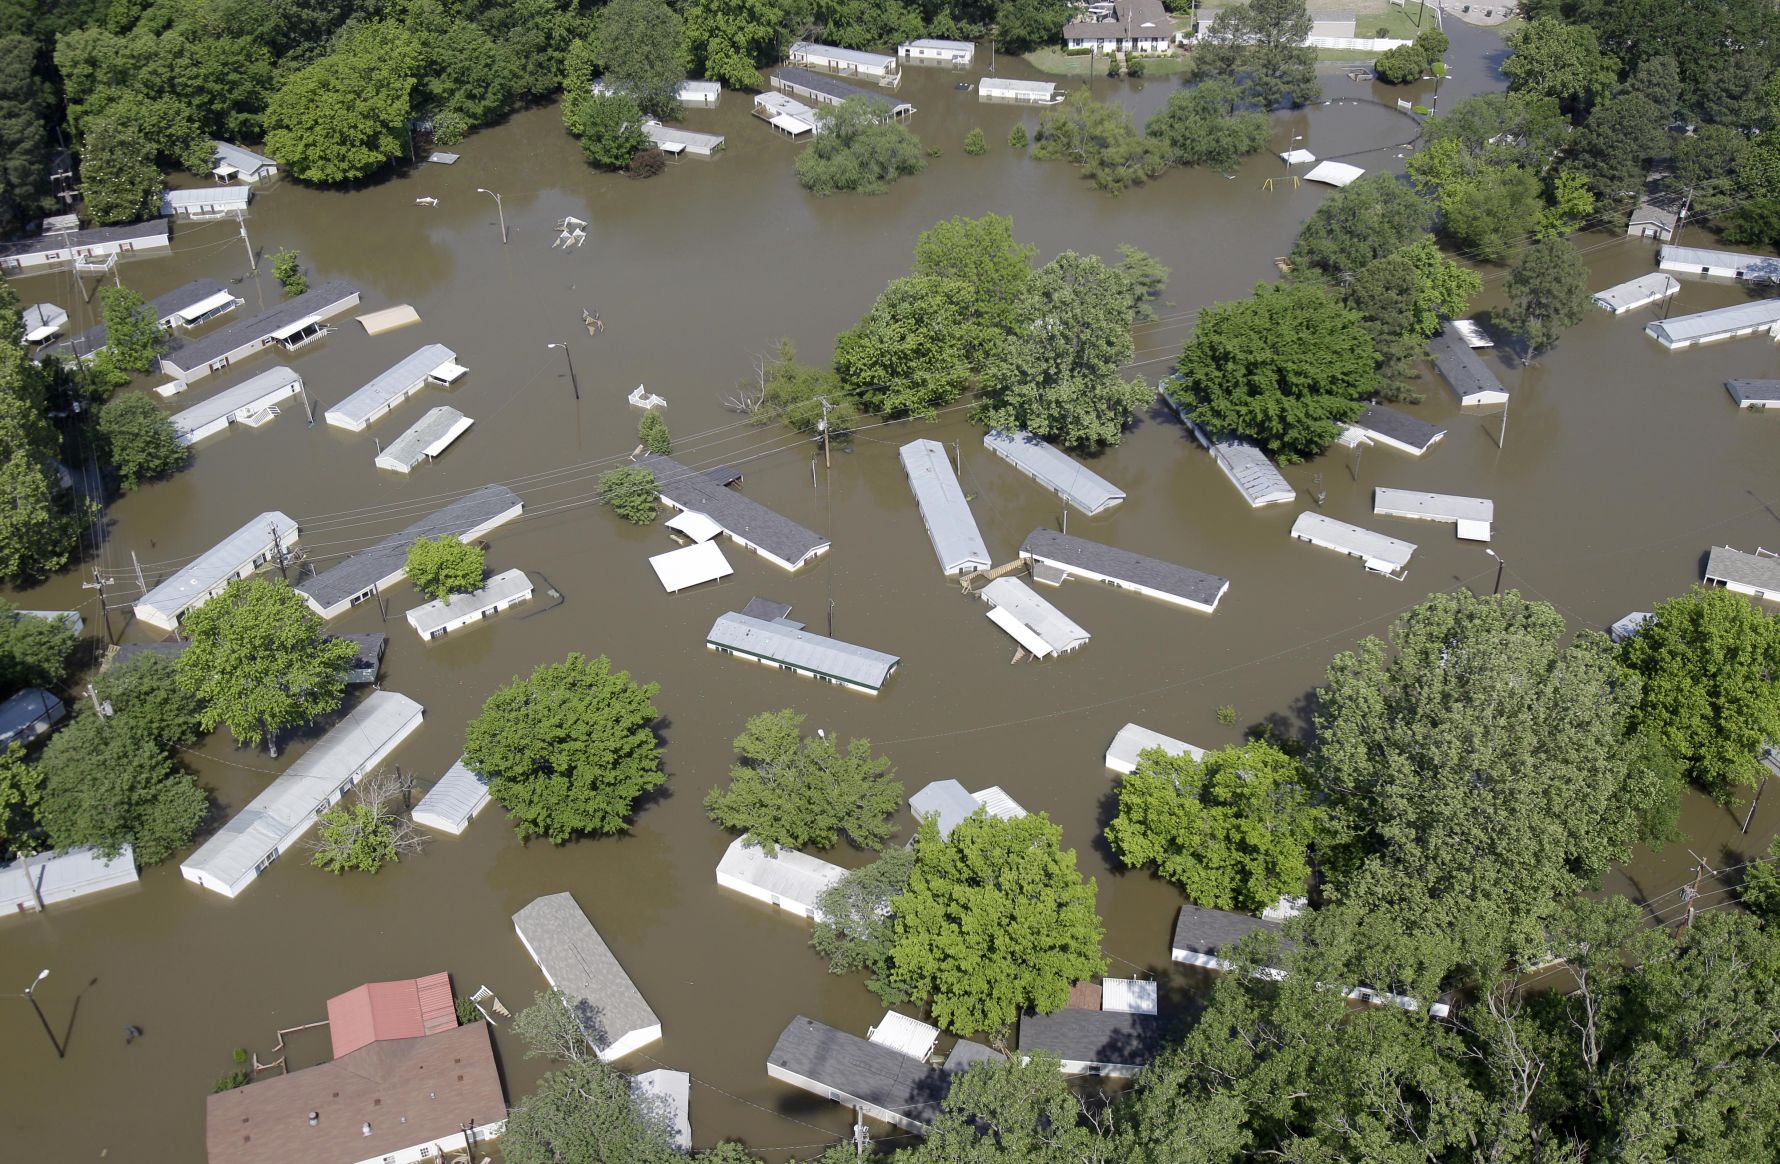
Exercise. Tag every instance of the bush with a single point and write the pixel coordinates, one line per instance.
(974, 143)
(1134, 66)
(230, 1082)
(652, 431)
(1381, 33)
(449, 127)
(289, 275)
(1112, 66)
(139, 441)
(1433, 43)
(1016, 138)
(441, 567)
(858, 151)
(630, 491)
(1401, 65)
(466, 1011)
(647, 163)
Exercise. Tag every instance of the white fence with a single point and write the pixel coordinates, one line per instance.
(1367, 44)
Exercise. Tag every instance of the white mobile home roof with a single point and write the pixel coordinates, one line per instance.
(288, 806)
(508, 588)
(27, 714)
(691, 566)
(1069, 479)
(390, 387)
(1732, 264)
(945, 800)
(42, 321)
(1128, 995)
(1722, 323)
(788, 875)
(1034, 623)
(244, 160)
(452, 803)
(1381, 554)
(1472, 515)
(1250, 470)
(212, 570)
(431, 435)
(825, 52)
(745, 520)
(803, 650)
(664, 136)
(207, 199)
(1635, 293)
(61, 875)
(665, 1096)
(1333, 173)
(694, 525)
(577, 961)
(251, 396)
(944, 511)
(992, 87)
(1132, 741)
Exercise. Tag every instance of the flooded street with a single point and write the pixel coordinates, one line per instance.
(1622, 465)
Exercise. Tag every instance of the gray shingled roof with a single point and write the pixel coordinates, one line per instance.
(93, 338)
(196, 352)
(1748, 392)
(581, 965)
(965, 1054)
(90, 236)
(1757, 570)
(1213, 931)
(1123, 564)
(1094, 1036)
(1399, 426)
(366, 567)
(861, 1069)
(740, 516)
(1461, 367)
(785, 642)
(822, 83)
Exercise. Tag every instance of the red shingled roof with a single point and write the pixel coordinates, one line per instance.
(376, 1011)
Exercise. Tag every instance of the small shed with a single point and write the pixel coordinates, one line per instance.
(904, 1035)
(665, 1098)
(1133, 741)
(1651, 219)
(431, 435)
(31, 883)
(505, 590)
(1297, 157)
(1471, 515)
(1635, 293)
(1069, 479)
(787, 880)
(1757, 574)
(369, 660)
(691, 566)
(388, 319)
(450, 805)
(1757, 395)
(576, 961)
(1018, 92)
(1380, 554)
(1034, 623)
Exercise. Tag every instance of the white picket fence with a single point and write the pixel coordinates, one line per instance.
(1368, 44)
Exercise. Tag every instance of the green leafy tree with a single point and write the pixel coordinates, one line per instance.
(914, 351)
(1146, 278)
(1261, 46)
(569, 749)
(788, 789)
(642, 49)
(1522, 129)
(1760, 892)
(1016, 137)
(139, 441)
(289, 273)
(794, 392)
(1021, 1110)
(730, 39)
(855, 927)
(1572, 205)
(1360, 224)
(366, 833)
(134, 338)
(858, 149)
(1286, 368)
(1058, 377)
(1554, 59)
(21, 788)
(652, 432)
(1474, 779)
(1547, 294)
(37, 530)
(1400, 299)
(631, 492)
(1022, 25)
(1487, 204)
(145, 692)
(345, 116)
(463, 75)
(24, 143)
(1709, 662)
(996, 920)
(1708, 163)
(107, 784)
(1206, 126)
(1400, 65)
(975, 144)
(1233, 831)
(1101, 139)
(1614, 148)
(1433, 42)
(443, 566)
(983, 254)
(257, 662)
(610, 126)
(34, 651)
(118, 177)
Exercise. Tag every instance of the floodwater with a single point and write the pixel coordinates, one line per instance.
(1628, 462)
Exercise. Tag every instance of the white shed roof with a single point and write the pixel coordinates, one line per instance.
(61, 875)
(1128, 995)
(1132, 741)
(1432, 506)
(690, 566)
(665, 1096)
(358, 408)
(788, 874)
(1297, 157)
(1333, 173)
(218, 563)
(454, 801)
(944, 510)
(1016, 605)
(1069, 479)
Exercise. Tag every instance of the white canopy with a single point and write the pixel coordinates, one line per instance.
(204, 306)
(1293, 157)
(690, 566)
(448, 372)
(694, 525)
(1472, 333)
(295, 326)
(1334, 173)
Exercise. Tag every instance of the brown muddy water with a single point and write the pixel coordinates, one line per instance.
(1627, 463)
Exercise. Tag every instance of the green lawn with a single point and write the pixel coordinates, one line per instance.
(1058, 63)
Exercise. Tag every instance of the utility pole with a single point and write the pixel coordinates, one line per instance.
(278, 543)
(140, 580)
(98, 583)
(1691, 893)
(826, 462)
(252, 263)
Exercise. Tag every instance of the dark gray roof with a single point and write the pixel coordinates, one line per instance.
(724, 474)
(821, 83)
(1094, 1036)
(965, 1054)
(1123, 564)
(1210, 931)
(740, 516)
(129, 652)
(861, 1069)
(1399, 426)
(1745, 392)
(1760, 571)
(93, 338)
(1456, 361)
(195, 353)
(366, 567)
(90, 236)
(766, 610)
(370, 649)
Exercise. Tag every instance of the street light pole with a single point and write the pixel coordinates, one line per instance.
(1500, 563)
(32, 998)
(498, 209)
(573, 383)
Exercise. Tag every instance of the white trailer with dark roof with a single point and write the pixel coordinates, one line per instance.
(1757, 574)
(876, 1080)
(1055, 557)
(1386, 426)
(291, 325)
(787, 646)
(1756, 395)
(745, 521)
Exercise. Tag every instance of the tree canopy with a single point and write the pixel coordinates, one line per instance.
(107, 783)
(855, 927)
(1100, 138)
(569, 749)
(1547, 294)
(345, 116)
(134, 338)
(443, 566)
(610, 126)
(631, 492)
(34, 652)
(859, 149)
(1359, 224)
(642, 49)
(139, 440)
(793, 790)
(1260, 46)
(1206, 126)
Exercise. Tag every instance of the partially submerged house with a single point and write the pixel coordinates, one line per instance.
(945, 511)
(1256, 477)
(252, 402)
(286, 809)
(794, 119)
(880, 1082)
(1471, 516)
(503, 591)
(32, 883)
(1758, 395)
(1757, 574)
(665, 1098)
(1117, 1043)
(1120, 26)
(1068, 478)
(407, 1008)
(1398, 430)
(1132, 741)
(450, 805)
(1719, 264)
(929, 50)
(784, 644)
(292, 324)
(827, 90)
(1758, 317)
(195, 303)
(431, 364)
(231, 162)
(1470, 379)
(431, 435)
(674, 141)
(950, 805)
(1018, 92)
(1035, 624)
(1629, 625)
(369, 659)
(360, 576)
(95, 249)
(576, 961)
(748, 523)
(846, 62)
(1380, 554)
(1056, 557)
(259, 542)
(205, 203)
(787, 880)
(1635, 293)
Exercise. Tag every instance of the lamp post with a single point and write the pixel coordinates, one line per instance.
(498, 209)
(573, 383)
(32, 998)
(1291, 147)
(1499, 566)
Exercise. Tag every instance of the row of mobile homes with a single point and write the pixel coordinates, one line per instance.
(1034, 623)
(1468, 376)
(826, 90)
(1759, 395)
(195, 303)
(95, 249)
(576, 961)
(1380, 554)
(431, 435)
(787, 880)
(436, 619)
(290, 325)
(1471, 515)
(1053, 469)
(748, 523)
(934, 51)
(359, 577)
(1719, 264)
(1757, 574)
(432, 364)
(1056, 557)
(945, 511)
(846, 62)
(259, 542)
(1018, 92)
(1398, 430)
(252, 402)
(205, 203)
(784, 644)
(283, 813)
(450, 805)
(1643, 291)
(1760, 317)
(1132, 741)
(34, 883)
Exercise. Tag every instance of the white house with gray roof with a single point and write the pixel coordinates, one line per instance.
(576, 961)
(1759, 317)
(239, 555)
(1471, 516)
(1757, 574)
(745, 521)
(877, 1080)
(786, 645)
(1380, 554)
(1465, 373)
(944, 509)
(1068, 478)
(1056, 557)
(252, 402)
(1757, 395)
(1719, 264)
(431, 435)
(787, 880)
(1116, 1043)
(436, 619)
(432, 364)
(1386, 426)
(1643, 291)
(290, 325)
